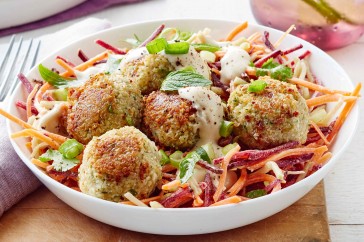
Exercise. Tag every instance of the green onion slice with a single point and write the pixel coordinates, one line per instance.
(228, 147)
(176, 158)
(71, 148)
(207, 47)
(164, 157)
(60, 94)
(184, 35)
(256, 193)
(177, 48)
(226, 128)
(156, 45)
(257, 86)
(170, 34)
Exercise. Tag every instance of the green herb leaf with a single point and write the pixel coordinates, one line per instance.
(256, 193)
(257, 86)
(187, 165)
(207, 47)
(180, 79)
(60, 163)
(112, 64)
(275, 70)
(177, 48)
(164, 158)
(156, 45)
(56, 80)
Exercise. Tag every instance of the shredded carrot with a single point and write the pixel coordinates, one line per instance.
(28, 145)
(279, 41)
(239, 184)
(67, 67)
(173, 185)
(57, 137)
(30, 100)
(146, 201)
(238, 29)
(318, 130)
(316, 87)
(281, 155)
(343, 115)
(229, 200)
(254, 178)
(197, 201)
(323, 159)
(36, 134)
(328, 98)
(39, 163)
(87, 64)
(15, 119)
(222, 179)
(318, 154)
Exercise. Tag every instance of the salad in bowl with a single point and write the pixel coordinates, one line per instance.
(183, 120)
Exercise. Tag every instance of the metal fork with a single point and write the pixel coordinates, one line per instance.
(16, 56)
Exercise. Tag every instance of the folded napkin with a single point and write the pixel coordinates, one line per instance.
(16, 180)
(83, 9)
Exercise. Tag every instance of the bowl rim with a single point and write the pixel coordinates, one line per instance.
(168, 21)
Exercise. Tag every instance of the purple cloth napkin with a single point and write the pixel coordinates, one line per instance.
(85, 8)
(16, 180)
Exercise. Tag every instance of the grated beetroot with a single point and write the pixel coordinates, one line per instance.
(178, 198)
(28, 86)
(82, 55)
(153, 35)
(209, 167)
(110, 47)
(22, 105)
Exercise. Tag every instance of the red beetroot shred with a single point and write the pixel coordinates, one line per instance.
(178, 198)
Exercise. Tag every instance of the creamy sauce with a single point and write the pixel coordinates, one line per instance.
(134, 54)
(210, 114)
(192, 58)
(83, 76)
(234, 63)
(49, 120)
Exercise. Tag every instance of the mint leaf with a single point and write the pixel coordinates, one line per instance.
(187, 165)
(56, 80)
(275, 70)
(60, 163)
(256, 193)
(180, 79)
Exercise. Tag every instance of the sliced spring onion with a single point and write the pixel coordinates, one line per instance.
(206, 47)
(176, 158)
(184, 35)
(226, 128)
(177, 48)
(156, 45)
(228, 147)
(164, 158)
(257, 86)
(71, 148)
(169, 34)
(60, 94)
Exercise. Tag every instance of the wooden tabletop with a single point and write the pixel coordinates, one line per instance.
(43, 217)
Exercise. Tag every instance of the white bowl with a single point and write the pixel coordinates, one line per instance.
(18, 12)
(180, 221)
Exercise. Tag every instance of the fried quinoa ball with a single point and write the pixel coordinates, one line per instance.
(276, 115)
(148, 72)
(103, 103)
(170, 120)
(119, 161)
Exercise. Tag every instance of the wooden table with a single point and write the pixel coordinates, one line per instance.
(43, 217)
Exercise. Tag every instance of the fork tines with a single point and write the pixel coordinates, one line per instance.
(20, 56)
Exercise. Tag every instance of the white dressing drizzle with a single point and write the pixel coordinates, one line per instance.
(210, 114)
(234, 63)
(49, 120)
(134, 54)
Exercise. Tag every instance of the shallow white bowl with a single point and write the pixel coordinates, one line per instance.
(18, 12)
(190, 220)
